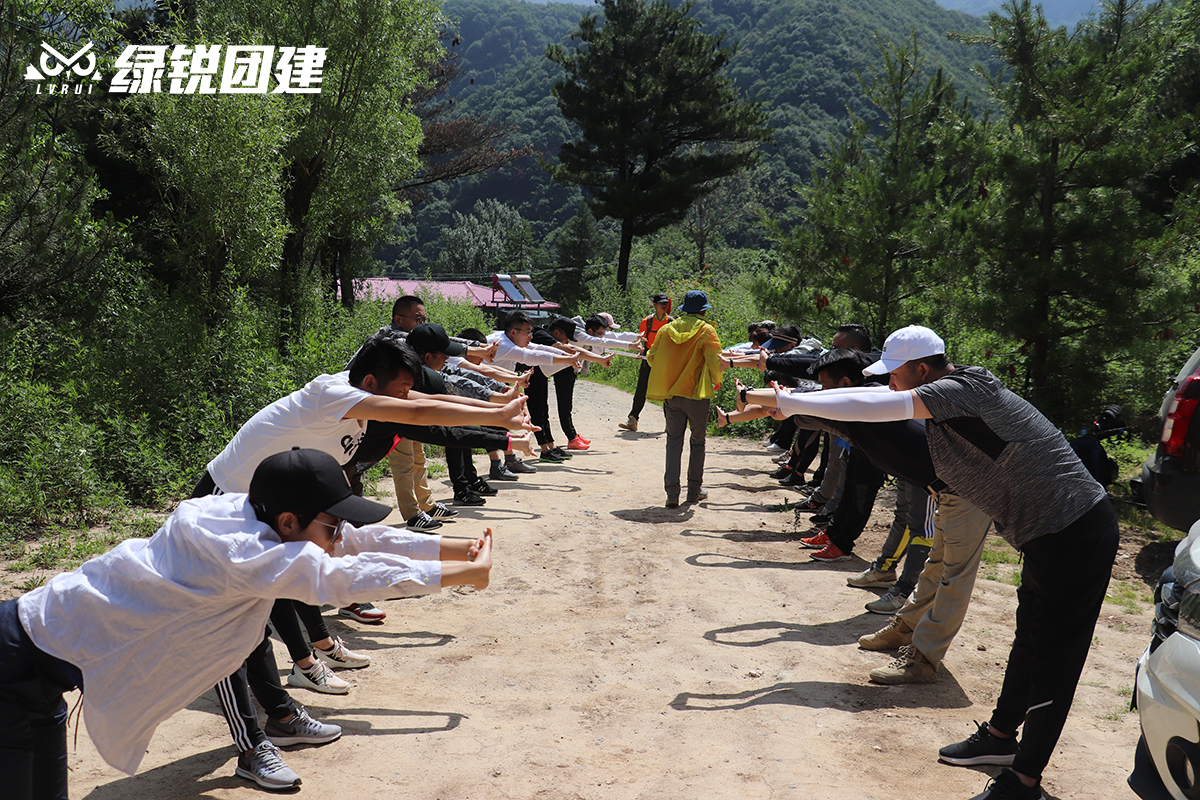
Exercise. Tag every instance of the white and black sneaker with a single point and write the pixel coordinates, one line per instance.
(264, 765)
(422, 522)
(441, 511)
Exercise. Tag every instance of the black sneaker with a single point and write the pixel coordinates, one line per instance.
(551, 457)
(1007, 786)
(792, 478)
(500, 472)
(981, 747)
(441, 511)
(820, 519)
(481, 488)
(468, 498)
(558, 451)
(422, 522)
(518, 466)
(781, 473)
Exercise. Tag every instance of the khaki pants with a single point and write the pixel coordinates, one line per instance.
(938, 606)
(407, 461)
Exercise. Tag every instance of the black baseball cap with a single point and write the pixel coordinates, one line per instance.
(429, 337)
(299, 480)
(567, 326)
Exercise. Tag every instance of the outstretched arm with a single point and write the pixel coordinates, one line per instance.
(427, 411)
(867, 405)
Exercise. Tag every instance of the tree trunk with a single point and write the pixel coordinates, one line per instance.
(1041, 338)
(302, 179)
(626, 249)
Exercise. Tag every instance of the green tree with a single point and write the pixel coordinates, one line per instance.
(659, 120)
(50, 239)
(1055, 245)
(492, 238)
(860, 244)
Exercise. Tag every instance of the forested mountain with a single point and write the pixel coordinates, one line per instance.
(800, 58)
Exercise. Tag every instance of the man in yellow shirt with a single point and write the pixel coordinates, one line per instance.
(685, 373)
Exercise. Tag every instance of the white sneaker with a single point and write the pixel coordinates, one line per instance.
(774, 448)
(319, 678)
(338, 657)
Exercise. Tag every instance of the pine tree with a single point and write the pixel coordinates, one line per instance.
(1055, 243)
(644, 86)
(860, 246)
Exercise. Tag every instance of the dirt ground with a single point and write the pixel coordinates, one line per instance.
(624, 650)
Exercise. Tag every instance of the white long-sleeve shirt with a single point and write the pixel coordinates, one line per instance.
(155, 623)
(532, 355)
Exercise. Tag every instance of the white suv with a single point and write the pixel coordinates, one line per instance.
(1167, 695)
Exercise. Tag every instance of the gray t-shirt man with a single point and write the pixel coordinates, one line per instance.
(1015, 465)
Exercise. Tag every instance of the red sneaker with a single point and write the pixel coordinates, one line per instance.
(831, 553)
(816, 542)
(363, 612)
(577, 444)
(583, 438)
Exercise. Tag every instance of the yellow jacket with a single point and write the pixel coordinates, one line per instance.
(685, 360)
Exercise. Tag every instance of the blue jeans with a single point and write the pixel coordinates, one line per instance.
(33, 714)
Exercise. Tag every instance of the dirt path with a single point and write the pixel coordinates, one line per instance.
(627, 651)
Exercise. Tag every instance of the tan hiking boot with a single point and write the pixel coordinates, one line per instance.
(631, 425)
(910, 667)
(893, 636)
(872, 578)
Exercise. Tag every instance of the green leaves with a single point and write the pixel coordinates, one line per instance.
(659, 121)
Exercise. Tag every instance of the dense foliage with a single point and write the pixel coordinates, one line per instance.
(799, 58)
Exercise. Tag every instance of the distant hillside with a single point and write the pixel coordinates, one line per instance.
(1058, 12)
(800, 58)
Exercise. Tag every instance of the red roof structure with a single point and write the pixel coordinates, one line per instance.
(494, 299)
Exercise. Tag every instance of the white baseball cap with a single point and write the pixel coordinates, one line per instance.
(904, 345)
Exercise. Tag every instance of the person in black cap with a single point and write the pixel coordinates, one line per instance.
(648, 328)
(434, 346)
(210, 574)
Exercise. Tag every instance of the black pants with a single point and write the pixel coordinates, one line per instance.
(287, 616)
(258, 673)
(564, 392)
(860, 486)
(639, 394)
(1063, 581)
(538, 392)
(33, 714)
(461, 469)
(785, 434)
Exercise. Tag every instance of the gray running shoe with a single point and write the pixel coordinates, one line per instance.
(300, 729)
(264, 765)
(890, 603)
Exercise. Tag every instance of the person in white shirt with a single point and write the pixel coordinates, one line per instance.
(209, 575)
(517, 346)
(329, 414)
